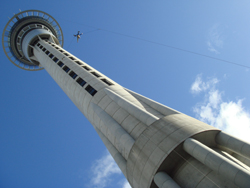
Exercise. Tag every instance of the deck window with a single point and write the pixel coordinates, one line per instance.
(55, 59)
(51, 56)
(60, 64)
(81, 82)
(78, 62)
(95, 74)
(106, 82)
(87, 68)
(91, 90)
(66, 69)
(73, 74)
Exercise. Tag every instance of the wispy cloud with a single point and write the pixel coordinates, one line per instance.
(199, 86)
(104, 171)
(126, 185)
(216, 38)
(229, 116)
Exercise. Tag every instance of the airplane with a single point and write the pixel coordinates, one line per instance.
(78, 35)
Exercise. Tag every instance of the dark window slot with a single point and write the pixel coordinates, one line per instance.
(38, 44)
(91, 90)
(60, 50)
(81, 82)
(66, 69)
(95, 74)
(106, 82)
(47, 52)
(51, 56)
(66, 54)
(86, 68)
(60, 64)
(73, 74)
(78, 62)
(44, 49)
(72, 58)
(55, 59)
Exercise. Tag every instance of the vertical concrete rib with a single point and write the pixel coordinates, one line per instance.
(235, 173)
(119, 159)
(135, 111)
(234, 144)
(153, 104)
(163, 180)
(122, 141)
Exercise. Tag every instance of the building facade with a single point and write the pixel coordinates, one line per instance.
(153, 145)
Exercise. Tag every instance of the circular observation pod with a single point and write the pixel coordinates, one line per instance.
(23, 31)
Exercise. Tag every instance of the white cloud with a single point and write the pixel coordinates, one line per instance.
(216, 38)
(211, 48)
(126, 185)
(102, 171)
(199, 86)
(105, 171)
(229, 116)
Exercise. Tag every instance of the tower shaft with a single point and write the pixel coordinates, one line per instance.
(144, 137)
(154, 145)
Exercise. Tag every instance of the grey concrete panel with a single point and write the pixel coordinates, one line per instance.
(163, 180)
(242, 179)
(120, 115)
(144, 166)
(151, 110)
(150, 131)
(114, 131)
(129, 123)
(234, 144)
(157, 156)
(104, 102)
(129, 144)
(244, 160)
(238, 175)
(96, 119)
(131, 108)
(213, 180)
(134, 156)
(98, 96)
(155, 105)
(99, 85)
(190, 169)
(112, 108)
(139, 128)
(93, 82)
(126, 95)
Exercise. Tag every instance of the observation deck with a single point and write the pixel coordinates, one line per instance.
(23, 31)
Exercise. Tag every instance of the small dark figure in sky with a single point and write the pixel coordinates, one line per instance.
(78, 35)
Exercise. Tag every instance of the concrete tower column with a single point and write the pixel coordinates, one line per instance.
(153, 145)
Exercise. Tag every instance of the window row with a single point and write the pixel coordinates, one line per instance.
(72, 74)
(81, 64)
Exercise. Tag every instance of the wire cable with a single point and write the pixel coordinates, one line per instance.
(70, 43)
(161, 44)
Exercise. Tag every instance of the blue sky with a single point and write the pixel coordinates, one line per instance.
(46, 142)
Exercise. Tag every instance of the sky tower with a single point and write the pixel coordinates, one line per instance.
(153, 145)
